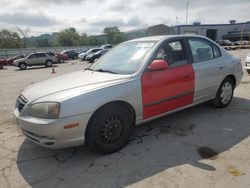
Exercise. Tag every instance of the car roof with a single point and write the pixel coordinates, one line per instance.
(163, 37)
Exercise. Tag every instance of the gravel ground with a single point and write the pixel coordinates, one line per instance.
(197, 147)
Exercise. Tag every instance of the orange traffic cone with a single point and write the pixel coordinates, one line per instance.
(53, 69)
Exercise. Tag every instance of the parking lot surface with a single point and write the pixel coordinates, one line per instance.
(197, 147)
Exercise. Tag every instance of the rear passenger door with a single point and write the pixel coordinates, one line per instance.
(41, 58)
(208, 67)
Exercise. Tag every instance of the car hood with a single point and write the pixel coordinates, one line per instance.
(80, 81)
(20, 60)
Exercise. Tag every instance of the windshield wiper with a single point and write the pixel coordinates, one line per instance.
(89, 69)
(108, 71)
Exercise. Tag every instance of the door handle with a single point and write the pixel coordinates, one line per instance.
(221, 67)
(187, 76)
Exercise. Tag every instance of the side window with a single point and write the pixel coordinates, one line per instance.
(40, 55)
(201, 50)
(51, 54)
(173, 53)
(217, 52)
(32, 56)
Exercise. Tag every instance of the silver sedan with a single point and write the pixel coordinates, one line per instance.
(137, 81)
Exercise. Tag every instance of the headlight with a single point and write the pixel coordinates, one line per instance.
(48, 110)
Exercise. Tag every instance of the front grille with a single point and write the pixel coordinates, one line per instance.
(21, 101)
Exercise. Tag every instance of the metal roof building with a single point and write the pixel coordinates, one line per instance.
(233, 31)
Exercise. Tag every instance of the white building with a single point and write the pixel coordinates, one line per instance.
(233, 31)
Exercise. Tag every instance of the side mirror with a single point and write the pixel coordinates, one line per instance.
(158, 65)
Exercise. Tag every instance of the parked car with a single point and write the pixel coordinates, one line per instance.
(34, 59)
(57, 57)
(61, 57)
(85, 54)
(92, 57)
(243, 42)
(11, 60)
(227, 43)
(72, 54)
(3, 62)
(247, 64)
(82, 51)
(107, 46)
(135, 82)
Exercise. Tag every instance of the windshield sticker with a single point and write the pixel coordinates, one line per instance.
(145, 45)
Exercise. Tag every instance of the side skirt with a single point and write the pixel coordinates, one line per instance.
(138, 122)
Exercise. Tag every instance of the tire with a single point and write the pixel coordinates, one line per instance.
(248, 71)
(48, 63)
(109, 129)
(224, 94)
(1, 66)
(22, 66)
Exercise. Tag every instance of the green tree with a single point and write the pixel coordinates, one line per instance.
(68, 37)
(84, 40)
(10, 39)
(114, 35)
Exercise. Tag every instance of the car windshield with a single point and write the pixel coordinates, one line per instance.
(124, 59)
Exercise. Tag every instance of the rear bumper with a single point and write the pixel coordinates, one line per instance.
(51, 133)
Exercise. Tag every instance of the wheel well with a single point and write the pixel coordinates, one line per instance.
(128, 106)
(48, 60)
(21, 63)
(232, 77)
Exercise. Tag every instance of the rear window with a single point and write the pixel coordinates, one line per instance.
(51, 54)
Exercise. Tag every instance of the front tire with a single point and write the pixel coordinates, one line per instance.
(248, 71)
(1, 66)
(224, 94)
(22, 66)
(109, 129)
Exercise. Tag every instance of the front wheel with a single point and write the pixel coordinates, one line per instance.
(224, 94)
(22, 66)
(109, 129)
(248, 71)
(1, 66)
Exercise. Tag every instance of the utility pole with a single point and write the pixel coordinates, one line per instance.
(187, 12)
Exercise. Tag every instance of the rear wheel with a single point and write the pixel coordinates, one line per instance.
(224, 94)
(1, 66)
(22, 66)
(109, 129)
(48, 63)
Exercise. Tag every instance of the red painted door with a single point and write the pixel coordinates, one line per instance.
(166, 90)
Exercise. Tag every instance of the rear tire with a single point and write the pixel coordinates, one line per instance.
(224, 94)
(1, 66)
(22, 66)
(48, 63)
(109, 129)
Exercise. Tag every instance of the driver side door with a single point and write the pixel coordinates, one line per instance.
(171, 88)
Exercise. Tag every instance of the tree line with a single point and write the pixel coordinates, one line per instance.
(66, 37)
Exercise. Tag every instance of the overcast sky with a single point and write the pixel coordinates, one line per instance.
(91, 16)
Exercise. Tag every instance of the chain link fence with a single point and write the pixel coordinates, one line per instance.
(7, 53)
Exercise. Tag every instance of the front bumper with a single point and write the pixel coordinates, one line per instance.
(51, 133)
